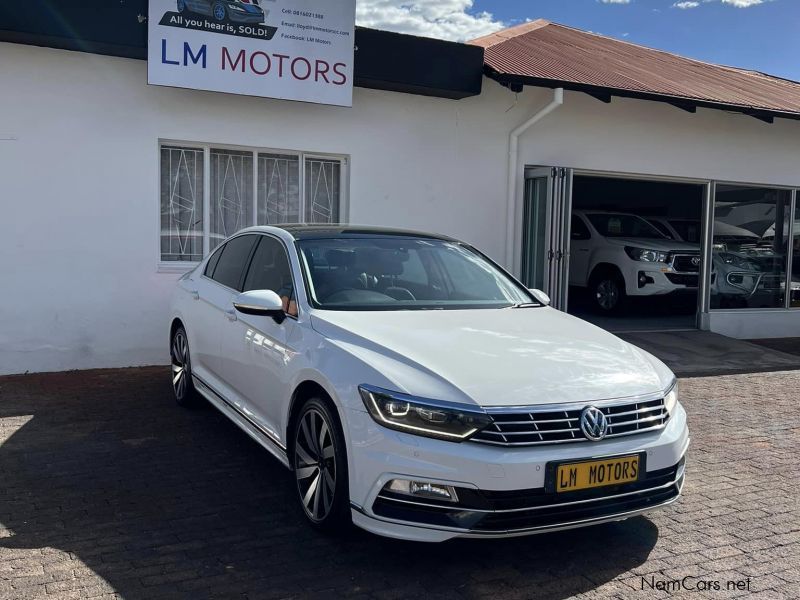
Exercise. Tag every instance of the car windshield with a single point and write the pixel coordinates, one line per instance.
(688, 230)
(403, 273)
(620, 225)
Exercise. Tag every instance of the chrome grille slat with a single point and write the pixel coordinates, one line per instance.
(539, 421)
(547, 427)
(637, 411)
(540, 433)
(636, 422)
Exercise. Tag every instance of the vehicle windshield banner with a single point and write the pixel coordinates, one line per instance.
(287, 49)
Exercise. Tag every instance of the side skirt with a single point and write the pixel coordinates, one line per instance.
(250, 427)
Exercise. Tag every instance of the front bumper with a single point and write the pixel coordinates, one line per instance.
(658, 282)
(246, 17)
(501, 490)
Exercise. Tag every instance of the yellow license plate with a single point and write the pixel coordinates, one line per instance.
(596, 473)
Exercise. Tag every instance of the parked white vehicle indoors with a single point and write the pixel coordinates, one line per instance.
(418, 390)
(616, 255)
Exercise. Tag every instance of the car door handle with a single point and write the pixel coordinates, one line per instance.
(231, 314)
(195, 295)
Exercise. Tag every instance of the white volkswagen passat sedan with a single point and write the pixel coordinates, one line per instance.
(417, 389)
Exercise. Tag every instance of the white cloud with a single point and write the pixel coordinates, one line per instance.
(686, 4)
(444, 19)
(743, 3)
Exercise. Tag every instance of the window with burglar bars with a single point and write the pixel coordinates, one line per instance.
(209, 193)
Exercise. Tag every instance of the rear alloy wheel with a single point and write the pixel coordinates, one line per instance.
(182, 6)
(320, 467)
(182, 384)
(608, 293)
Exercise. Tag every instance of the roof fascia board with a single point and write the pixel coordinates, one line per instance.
(768, 116)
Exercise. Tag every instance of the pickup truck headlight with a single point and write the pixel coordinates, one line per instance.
(671, 398)
(645, 254)
(421, 417)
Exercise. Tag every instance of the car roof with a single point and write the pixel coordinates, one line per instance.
(308, 231)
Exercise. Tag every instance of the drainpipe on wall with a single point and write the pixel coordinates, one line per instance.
(513, 153)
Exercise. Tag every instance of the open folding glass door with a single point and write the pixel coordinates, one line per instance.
(546, 211)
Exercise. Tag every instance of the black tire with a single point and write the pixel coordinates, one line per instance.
(319, 460)
(182, 384)
(607, 292)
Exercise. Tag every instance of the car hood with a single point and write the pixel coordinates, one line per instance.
(494, 357)
(653, 244)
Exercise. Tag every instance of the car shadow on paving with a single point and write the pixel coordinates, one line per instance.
(108, 485)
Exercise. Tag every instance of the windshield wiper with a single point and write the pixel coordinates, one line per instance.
(524, 305)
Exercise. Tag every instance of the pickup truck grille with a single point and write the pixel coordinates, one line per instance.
(541, 426)
(683, 263)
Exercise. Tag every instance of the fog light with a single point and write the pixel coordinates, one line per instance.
(422, 489)
(643, 279)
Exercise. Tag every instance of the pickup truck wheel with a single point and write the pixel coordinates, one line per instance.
(608, 293)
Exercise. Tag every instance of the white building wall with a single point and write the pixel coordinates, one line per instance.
(79, 134)
(79, 286)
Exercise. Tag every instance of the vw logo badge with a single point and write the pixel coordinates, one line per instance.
(593, 423)
(696, 261)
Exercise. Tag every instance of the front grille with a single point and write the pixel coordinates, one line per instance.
(541, 426)
(683, 279)
(683, 263)
(488, 511)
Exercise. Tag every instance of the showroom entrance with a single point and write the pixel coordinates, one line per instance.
(622, 252)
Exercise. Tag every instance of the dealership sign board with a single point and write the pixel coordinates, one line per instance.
(289, 49)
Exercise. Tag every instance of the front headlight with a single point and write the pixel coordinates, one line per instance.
(671, 398)
(645, 254)
(235, 7)
(422, 417)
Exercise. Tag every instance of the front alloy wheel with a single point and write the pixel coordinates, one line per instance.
(320, 467)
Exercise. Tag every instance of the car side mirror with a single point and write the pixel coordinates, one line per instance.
(262, 303)
(540, 296)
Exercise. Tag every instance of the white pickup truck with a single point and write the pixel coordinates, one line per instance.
(616, 255)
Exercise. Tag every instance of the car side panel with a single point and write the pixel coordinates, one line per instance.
(256, 358)
(206, 320)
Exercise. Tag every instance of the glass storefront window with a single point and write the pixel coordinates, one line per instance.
(752, 238)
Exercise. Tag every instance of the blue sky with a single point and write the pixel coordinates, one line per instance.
(757, 34)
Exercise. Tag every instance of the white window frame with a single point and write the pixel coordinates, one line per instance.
(206, 147)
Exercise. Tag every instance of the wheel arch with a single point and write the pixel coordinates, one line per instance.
(604, 268)
(173, 327)
(309, 388)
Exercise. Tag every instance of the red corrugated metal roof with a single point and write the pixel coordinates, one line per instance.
(541, 52)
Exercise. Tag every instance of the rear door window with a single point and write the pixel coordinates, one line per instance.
(233, 260)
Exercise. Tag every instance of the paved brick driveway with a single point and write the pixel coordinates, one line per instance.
(109, 489)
